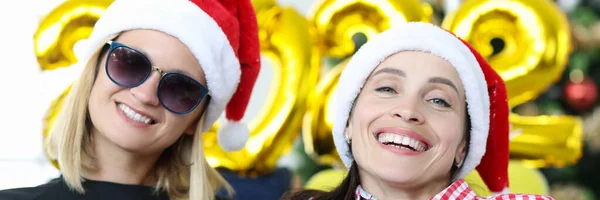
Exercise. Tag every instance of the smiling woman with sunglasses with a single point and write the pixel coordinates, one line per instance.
(156, 75)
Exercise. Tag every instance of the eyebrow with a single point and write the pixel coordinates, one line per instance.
(173, 70)
(401, 73)
(141, 51)
(144, 53)
(134, 48)
(444, 81)
(390, 71)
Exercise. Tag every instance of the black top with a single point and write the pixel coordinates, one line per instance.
(94, 190)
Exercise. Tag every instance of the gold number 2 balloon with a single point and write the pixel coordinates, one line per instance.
(285, 39)
(534, 42)
(335, 23)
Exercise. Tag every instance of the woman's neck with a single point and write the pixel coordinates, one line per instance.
(387, 191)
(114, 164)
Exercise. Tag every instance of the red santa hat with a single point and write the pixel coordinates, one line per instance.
(485, 94)
(222, 35)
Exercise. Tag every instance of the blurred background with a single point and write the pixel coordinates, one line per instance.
(547, 52)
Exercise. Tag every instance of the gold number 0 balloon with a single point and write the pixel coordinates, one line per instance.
(54, 40)
(284, 38)
(535, 53)
(62, 28)
(335, 23)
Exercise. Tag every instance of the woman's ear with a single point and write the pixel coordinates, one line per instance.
(348, 132)
(192, 128)
(194, 125)
(347, 136)
(461, 153)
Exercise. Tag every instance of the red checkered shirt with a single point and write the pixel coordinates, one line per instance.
(461, 190)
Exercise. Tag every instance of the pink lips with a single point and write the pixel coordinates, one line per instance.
(405, 132)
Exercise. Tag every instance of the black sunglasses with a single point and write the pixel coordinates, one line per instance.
(129, 68)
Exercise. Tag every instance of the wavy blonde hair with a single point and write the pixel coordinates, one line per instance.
(182, 169)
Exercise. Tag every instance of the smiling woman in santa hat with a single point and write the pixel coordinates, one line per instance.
(418, 109)
(156, 75)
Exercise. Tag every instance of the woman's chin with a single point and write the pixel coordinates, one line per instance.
(132, 147)
(400, 176)
(130, 143)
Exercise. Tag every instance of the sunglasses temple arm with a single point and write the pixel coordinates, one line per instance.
(206, 104)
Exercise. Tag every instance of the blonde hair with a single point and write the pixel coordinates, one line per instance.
(182, 169)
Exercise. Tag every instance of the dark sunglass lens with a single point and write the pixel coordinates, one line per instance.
(127, 67)
(180, 93)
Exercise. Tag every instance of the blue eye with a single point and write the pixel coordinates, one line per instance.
(440, 102)
(385, 89)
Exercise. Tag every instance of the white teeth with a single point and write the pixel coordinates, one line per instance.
(133, 115)
(399, 140)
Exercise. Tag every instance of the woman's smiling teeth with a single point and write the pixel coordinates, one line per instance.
(134, 115)
(401, 141)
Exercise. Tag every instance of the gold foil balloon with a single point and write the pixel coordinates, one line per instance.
(535, 37)
(326, 180)
(526, 180)
(58, 32)
(55, 38)
(334, 24)
(318, 121)
(52, 114)
(546, 140)
(284, 38)
(522, 179)
(532, 45)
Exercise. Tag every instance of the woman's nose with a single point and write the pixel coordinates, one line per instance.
(146, 92)
(408, 111)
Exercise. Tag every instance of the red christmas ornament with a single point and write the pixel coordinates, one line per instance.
(581, 96)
